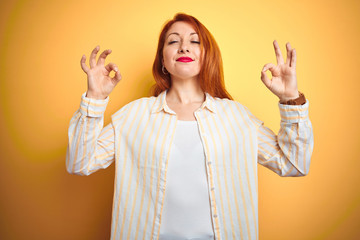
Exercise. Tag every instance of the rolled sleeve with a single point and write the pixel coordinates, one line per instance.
(93, 107)
(294, 113)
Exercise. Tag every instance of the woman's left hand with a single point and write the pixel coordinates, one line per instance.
(283, 82)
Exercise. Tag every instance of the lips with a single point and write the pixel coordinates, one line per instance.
(184, 59)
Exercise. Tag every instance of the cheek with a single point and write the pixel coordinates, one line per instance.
(166, 55)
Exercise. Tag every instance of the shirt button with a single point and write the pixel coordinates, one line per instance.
(209, 163)
(212, 189)
(215, 216)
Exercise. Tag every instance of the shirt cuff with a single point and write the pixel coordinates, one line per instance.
(294, 113)
(93, 107)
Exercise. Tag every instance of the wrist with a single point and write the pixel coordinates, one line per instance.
(90, 94)
(286, 98)
(299, 100)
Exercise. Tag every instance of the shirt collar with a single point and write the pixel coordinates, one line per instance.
(160, 103)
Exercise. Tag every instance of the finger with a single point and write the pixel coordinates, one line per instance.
(83, 64)
(279, 57)
(117, 76)
(269, 66)
(288, 50)
(93, 56)
(112, 67)
(103, 56)
(293, 58)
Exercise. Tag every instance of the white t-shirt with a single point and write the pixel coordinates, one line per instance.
(186, 212)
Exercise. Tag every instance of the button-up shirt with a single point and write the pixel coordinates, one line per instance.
(139, 140)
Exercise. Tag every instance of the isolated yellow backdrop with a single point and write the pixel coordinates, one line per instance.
(41, 43)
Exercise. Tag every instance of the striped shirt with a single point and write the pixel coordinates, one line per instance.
(139, 140)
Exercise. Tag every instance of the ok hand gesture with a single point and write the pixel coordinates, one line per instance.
(100, 84)
(283, 83)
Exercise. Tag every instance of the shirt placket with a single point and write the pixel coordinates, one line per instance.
(209, 173)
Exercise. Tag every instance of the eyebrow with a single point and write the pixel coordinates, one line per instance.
(193, 33)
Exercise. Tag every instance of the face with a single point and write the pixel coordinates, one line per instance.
(181, 53)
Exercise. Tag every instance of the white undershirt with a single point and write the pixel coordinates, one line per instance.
(186, 212)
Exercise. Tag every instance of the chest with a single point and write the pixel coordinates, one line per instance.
(185, 112)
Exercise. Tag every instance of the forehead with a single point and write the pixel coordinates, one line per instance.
(181, 28)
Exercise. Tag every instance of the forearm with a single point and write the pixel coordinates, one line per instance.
(288, 153)
(87, 140)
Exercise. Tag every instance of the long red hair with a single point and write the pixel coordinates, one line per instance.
(211, 74)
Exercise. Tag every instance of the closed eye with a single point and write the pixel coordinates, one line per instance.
(195, 42)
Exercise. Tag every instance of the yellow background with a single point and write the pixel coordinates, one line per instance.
(42, 41)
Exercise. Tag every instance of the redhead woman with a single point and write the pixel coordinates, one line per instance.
(186, 157)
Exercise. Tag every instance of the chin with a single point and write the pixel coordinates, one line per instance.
(185, 75)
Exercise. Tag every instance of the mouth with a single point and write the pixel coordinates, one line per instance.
(184, 59)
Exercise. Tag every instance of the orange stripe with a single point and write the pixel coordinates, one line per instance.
(238, 168)
(122, 174)
(297, 147)
(104, 155)
(131, 162)
(115, 198)
(85, 145)
(166, 167)
(253, 156)
(122, 110)
(75, 117)
(290, 169)
(71, 136)
(217, 227)
(267, 132)
(138, 169)
(151, 177)
(304, 149)
(225, 174)
(159, 174)
(293, 110)
(275, 148)
(77, 143)
(94, 104)
(144, 175)
(292, 117)
(90, 111)
(218, 176)
(246, 169)
(93, 143)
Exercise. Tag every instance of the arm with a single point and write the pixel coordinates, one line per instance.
(288, 153)
(90, 146)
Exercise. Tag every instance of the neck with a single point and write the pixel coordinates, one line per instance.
(185, 91)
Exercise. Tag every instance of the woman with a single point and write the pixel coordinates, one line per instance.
(185, 158)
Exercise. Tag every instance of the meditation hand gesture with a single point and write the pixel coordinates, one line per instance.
(283, 83)
(100, 84)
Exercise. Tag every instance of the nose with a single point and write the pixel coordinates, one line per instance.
(183, 47)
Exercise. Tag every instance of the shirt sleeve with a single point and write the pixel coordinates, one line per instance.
(90, 145)
(288, 154)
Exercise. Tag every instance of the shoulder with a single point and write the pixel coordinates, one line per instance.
(229, 105)
(140, 104)
(236, 109)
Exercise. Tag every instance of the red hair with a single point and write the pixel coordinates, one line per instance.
(211, 75)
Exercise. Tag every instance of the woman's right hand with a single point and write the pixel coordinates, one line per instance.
(100, 84)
